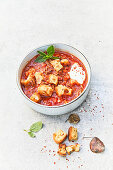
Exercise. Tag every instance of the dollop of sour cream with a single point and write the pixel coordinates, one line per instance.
(77, 73)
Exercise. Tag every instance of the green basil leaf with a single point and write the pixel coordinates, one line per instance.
(25, 130)
(55, 57)
(50, 50)
(47, 57)
(43, 57)
(31, 134)
(41, 53)
(35, 127)
(40, 59)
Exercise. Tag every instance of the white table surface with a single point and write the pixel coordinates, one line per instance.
(84, 24)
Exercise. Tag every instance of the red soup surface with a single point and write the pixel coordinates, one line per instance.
(49, 83)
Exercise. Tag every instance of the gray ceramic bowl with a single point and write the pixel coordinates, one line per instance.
(62, 109)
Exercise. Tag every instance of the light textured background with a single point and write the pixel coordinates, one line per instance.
(27, 24)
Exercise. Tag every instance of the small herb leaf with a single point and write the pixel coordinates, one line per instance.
(41, 53)
(25, 130)
(55, 57)
(31, 134)
(50, 50)
(40, 59)
(35, 127)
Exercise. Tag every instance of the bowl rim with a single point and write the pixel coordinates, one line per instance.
(45, 106)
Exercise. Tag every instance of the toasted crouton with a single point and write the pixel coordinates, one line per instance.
(35, 97)
(63, 90)
(53, 79)
(65, 62)
(72, 133)
(62, 150)
(56, 64)
(69, 149)
(39, 77)
(45, 90)
(31, 71)
(29, 81)
(59, 136)
(73, 82)
(77, 147)
(72, 148)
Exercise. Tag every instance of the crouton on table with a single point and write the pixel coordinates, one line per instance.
(56, 64)
(63, 90)
(35, 97)
(73, 148)
(59, 136)
(45, 90)
(77, 147)
(69, 149)
(62, 150)
(72, 133)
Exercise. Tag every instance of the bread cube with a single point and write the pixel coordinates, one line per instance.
(72, 133)
(63, 90)
(59, 136)
(62, 150)
(56, 64)
(53, 79)
(65, 62)
(45, 90)
(29, 81)
(77, 147)
(70, 149)
(73, 148)
(35, 97)
(73, 82)
(39, 77)
(31, 71)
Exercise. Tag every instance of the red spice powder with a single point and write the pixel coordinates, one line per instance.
(67, 159)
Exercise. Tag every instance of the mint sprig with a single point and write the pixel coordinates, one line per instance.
(43, 56)
(35, 127)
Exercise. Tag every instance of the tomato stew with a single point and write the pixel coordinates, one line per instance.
(55, 96)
